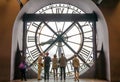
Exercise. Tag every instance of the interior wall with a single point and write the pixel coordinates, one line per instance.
(111, 13)
(8, 12)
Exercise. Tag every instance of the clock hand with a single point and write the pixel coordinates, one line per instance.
(47, 42)
(51, 40)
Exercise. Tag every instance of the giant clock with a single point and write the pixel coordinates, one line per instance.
(61, 26)
(61, 35)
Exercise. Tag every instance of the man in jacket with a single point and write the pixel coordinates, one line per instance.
(63, 63)
(47, 61)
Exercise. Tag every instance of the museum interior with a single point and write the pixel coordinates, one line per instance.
(89, 29)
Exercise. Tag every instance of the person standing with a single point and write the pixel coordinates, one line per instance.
(22, 67)
(47, 61)
(55, 66)
(76, 65)
(40, 65)
(63, 63)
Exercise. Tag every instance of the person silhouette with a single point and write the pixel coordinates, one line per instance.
(55, 66)
(22, 67)
(47, 61)
(40, 65)
(76, 65)
(63, 63)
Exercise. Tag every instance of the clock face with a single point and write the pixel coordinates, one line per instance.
(56, 37)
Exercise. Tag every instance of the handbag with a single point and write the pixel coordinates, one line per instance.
(22, 65)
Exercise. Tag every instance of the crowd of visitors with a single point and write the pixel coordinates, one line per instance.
(44, 62)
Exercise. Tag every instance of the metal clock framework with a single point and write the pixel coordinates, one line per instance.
(60, 28)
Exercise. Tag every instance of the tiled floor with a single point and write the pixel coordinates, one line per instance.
(67, 80)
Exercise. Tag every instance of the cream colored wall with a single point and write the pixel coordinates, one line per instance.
(112, 15)
(8, 12)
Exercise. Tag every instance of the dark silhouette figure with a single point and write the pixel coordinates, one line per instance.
(63, 63)
(22, 67)
(47, 61)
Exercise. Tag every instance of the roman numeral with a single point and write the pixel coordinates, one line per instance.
(35, 24)
(88, 39)
(34, 53)
(30, 59)
(59, 10)
(84, 52)
(31, 38)
(88, 31)
(85, 24)
(73, 12)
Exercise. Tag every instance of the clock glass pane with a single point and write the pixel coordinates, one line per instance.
(74, 38)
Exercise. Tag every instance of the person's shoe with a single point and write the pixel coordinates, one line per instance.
(77, 78)
(40, 79)
(56, 78)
